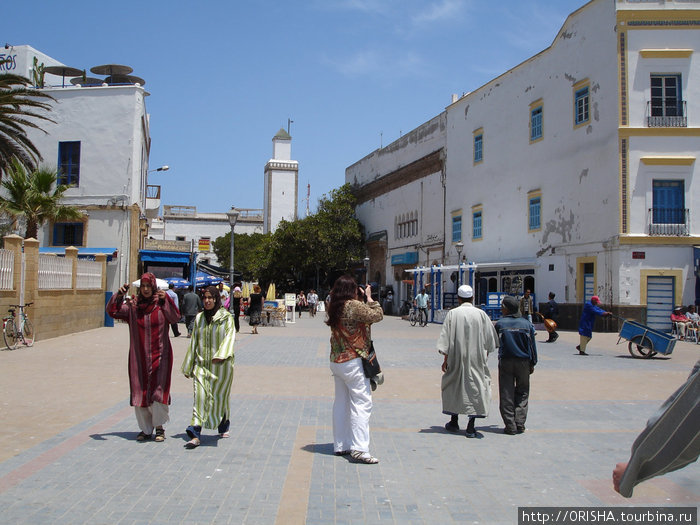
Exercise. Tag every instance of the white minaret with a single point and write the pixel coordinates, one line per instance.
(281, 183)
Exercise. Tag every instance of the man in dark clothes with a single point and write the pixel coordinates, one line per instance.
(517, 357)
(552, 312)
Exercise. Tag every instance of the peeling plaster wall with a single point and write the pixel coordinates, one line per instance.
(574, 168)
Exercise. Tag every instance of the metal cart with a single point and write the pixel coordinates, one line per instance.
(644, 341)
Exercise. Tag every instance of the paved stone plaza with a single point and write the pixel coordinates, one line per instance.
(68, 453)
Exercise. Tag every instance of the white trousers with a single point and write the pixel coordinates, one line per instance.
(153, 416)
(352, 406)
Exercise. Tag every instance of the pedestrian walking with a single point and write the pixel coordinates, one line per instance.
(209, 362)
(149, 316)
(527, 307)
(191, 306)
(312, 299)
(552, 313)
(235, 308)
(171, 293)
(585, 325)
(517, 357)
(255, 308)
(351, 312)
(466, 340)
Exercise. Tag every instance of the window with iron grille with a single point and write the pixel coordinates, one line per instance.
(68, 234)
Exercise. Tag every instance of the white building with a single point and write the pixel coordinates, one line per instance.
(185, 223)
(575, 172)
(281, 183)
(100, 143)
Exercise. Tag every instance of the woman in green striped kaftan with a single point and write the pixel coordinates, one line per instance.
(209, 362)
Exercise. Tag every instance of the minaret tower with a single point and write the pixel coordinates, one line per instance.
(281, 183)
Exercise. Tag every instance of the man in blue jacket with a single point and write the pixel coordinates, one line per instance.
(517, 357)
(585, 325)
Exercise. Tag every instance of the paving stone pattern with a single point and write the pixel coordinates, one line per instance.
(278, 465)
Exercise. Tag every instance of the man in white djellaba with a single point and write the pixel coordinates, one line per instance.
(467, 338)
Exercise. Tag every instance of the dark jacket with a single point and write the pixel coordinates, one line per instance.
(516, 337)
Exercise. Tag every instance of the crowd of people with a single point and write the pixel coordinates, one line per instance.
(467, 337)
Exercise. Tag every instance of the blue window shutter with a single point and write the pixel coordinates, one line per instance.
(668, 202)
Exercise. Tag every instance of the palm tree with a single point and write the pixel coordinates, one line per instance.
(34, 196)
(20, 106)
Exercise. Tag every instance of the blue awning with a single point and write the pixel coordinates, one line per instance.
(83, 252)
(164, 257)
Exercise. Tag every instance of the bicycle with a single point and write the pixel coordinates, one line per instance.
(12, 333)
(417, 316)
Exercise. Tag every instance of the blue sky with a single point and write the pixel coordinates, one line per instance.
(225, 76)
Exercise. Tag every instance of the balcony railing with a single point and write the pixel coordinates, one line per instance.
(669, 221)
(674, 117)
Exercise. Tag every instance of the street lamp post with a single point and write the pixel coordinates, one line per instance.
(162, 168)
(459, 247)
(232, 215)
(366, 263)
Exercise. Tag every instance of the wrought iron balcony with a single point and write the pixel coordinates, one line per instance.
(669, 221)
(667, 116)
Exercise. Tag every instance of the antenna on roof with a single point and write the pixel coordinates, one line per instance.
(308, 195)
(289, 125)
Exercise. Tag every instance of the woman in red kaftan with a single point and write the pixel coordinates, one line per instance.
(149, 316)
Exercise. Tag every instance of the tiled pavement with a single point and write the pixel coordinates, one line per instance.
(68, 455)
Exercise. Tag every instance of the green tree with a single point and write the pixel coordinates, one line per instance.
(20, 107)
(298, 252)
(34, 196)
(325, 243)
(245, 251)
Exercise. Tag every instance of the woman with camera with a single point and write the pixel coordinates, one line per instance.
(351, 311)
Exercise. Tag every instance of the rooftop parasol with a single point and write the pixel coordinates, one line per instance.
(63, 72)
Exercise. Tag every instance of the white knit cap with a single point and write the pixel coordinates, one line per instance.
(465, 291)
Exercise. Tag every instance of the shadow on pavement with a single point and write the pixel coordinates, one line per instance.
(319, 448)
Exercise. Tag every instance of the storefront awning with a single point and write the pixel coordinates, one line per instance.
(83, 252)
(164, 257)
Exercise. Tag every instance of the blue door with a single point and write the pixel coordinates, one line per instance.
(668, 202)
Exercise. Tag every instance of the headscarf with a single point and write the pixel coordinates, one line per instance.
(144, 304)
(214, 292)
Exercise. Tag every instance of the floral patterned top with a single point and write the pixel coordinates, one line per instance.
(352, 340)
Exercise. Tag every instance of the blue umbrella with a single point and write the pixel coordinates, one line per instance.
(178, 282)
(204, 279)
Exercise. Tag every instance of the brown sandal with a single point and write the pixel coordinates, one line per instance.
(192, 443)
(160, 435)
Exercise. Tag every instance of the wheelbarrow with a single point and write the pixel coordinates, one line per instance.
(644, 341)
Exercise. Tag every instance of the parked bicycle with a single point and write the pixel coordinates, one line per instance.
(16, 330)
(417, 316)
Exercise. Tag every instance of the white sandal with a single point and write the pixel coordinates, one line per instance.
(363, 457)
